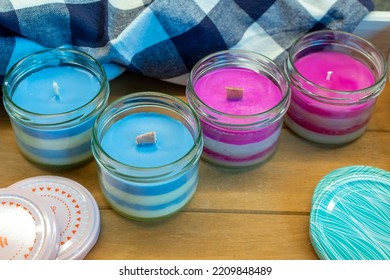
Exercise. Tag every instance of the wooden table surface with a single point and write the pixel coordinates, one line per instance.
(258, 214)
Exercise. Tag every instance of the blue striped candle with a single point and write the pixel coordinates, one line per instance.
(153, 180)
(53, 98)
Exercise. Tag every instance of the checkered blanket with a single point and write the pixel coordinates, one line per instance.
(165, 38)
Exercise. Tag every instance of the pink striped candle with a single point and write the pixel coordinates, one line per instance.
(240, 98)
(335, 79)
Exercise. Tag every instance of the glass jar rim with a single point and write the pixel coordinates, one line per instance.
(263, 58)
(58, 53)
(360, 39)
(198, 140)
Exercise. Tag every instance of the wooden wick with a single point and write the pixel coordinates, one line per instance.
(147, 138)
(234, 93)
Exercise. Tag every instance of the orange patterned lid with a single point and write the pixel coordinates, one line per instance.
(75, 209)
(28, 229)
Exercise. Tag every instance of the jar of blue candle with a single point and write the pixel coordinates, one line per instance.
(53, 98)
(147, 147)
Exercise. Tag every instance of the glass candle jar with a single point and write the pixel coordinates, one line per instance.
(240, 98)
(53, 98)
(335, 79)
(147, 147)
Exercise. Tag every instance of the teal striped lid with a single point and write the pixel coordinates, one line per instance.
(350, 214)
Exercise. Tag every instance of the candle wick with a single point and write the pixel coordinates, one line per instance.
(147, 138)
(234, 93)
(56, 89)
(329, 75)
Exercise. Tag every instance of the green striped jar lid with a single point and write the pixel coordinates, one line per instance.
(350, 214)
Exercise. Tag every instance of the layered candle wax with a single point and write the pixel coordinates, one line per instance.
(240, 107)
(147, 146)
(53, 98)
(334, 89)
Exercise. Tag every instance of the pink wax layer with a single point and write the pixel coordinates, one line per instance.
(335, 71)
(260, 93)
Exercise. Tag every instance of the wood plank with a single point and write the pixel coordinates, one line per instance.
(381, 114)
(284, 183)
(191, 235)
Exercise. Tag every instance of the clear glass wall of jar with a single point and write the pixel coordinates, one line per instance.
(153, 180)
(241, 132)
(53, 98)
(335, 79)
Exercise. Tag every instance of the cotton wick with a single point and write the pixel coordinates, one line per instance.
(56, 89)
(329, 75)
(234, 93)
(147, 138)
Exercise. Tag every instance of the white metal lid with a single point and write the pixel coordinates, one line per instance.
(28, 229)
(76, 211)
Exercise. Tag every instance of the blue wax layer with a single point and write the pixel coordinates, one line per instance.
(160, 188)
(173, 140)
(76, 87)
(59, 133)
(60, 155)
(137, 205)
(61, 147)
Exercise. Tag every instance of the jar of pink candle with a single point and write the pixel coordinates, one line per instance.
(240, 98)
(335, 79)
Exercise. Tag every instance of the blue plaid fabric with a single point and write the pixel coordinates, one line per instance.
(165, 38)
